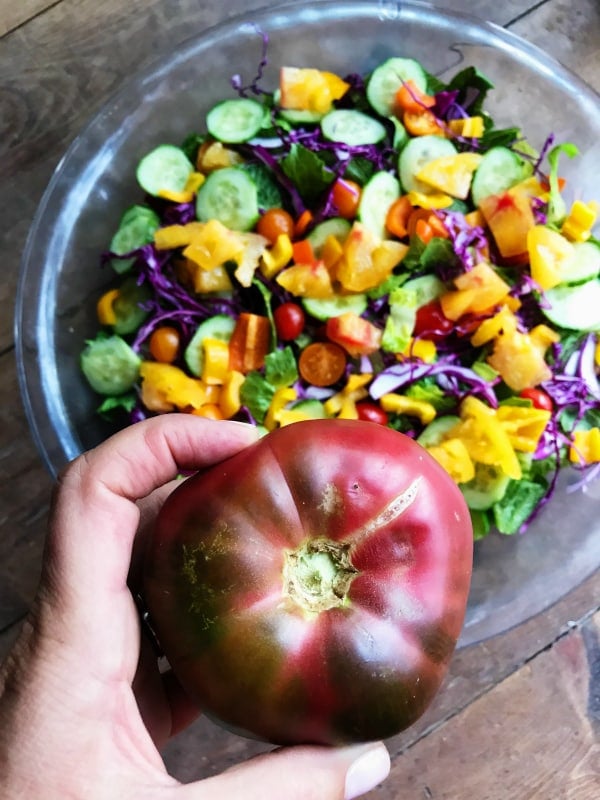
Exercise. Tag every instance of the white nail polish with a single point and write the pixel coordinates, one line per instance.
(369, 769)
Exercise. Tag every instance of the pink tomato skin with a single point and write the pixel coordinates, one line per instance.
(231, 623)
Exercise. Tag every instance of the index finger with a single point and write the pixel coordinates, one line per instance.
(95, 515)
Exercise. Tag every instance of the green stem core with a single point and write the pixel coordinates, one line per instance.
(317, 575)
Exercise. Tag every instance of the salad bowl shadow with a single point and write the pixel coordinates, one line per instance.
(515, 577)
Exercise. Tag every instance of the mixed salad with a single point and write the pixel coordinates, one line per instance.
(366, 247)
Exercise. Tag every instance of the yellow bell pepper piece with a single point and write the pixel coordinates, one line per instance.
(253, 247)
(597, 353)
(549, 252)
(165, 386)
(331, 252)
(307, 280)
(275, 258)
(215, 365)
(213, 245)
(282, 396)
(229, 399)
(484, 437)
(523, 425)
(216, 156)
(433, 200)
(105, 308)
(451, 174)
(173, 236)
(424, 349)
(586, 447)
(454, 457)
(343, 404)
(402, 404)
(502, 322)
(580, 220)
(469, 127)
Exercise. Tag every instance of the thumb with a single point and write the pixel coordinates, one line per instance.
(307, 773)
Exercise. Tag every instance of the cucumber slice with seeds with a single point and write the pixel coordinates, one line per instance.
(110, 366)
(234, 121)
(335, 226)
(487, 487)
(499, 169)
(576, 308)
(388, 77)
(218, 327)
(230, 196)
(416, 154)
(137, 229)
(325, 308)
(352, 128)
(165, 168)
(377, 196)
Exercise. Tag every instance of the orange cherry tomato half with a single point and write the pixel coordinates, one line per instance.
(346, 197)
(164, 344)
(322, 363)
(274, 222)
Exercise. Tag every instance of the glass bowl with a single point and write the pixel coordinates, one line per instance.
(514, 577)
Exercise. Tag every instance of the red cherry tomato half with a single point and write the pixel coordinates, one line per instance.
(371, 412)
(312, 587)
(289, 321)
(431, 322)
(539, 399)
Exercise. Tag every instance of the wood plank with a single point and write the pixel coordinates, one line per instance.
(540, 726)
(12, 14)
(24, 500)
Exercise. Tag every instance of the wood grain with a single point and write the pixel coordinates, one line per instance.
(12, 14)
(541, 724)
(519, 715)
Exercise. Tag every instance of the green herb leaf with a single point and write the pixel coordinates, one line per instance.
(256, 394)
(519, 502)
(280, 367)
(307, 170)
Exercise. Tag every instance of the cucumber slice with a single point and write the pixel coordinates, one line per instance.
(267, 191)
(325, 308)
(230, 196)
(388, 77)
(218, 327)
(110, 366)
(165, 168)
(584, 265)
(137, 229)
(415, 154)
(499, 169)
(234, 121)
(128, 306)
(136, 212)
(435, 432)
(313, 409)
(352, 127)
(427, 288)
(335, 226)
(487, 487)
(296, 116)
(377, 196)
(575, 308)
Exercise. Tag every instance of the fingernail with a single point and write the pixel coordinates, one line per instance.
(370, 768)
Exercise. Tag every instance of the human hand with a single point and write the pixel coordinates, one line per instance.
(83, 707)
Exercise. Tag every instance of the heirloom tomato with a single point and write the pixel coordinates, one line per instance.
(311, 589)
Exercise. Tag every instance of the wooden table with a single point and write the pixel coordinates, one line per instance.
(519, 716)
